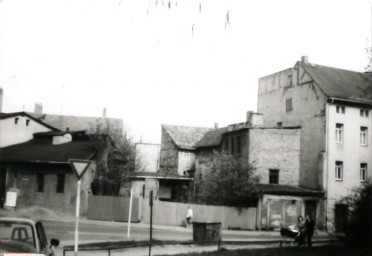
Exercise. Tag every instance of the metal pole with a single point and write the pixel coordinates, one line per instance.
(151, 203)
(130, 211)
(77, 218)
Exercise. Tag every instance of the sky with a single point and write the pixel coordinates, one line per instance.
(180, 62)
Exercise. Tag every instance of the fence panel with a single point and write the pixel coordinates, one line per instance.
(111, 208)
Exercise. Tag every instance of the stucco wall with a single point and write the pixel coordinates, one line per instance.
(23, 180)
(19, 132)
(352, 121)
(275, 149)
(308, 111)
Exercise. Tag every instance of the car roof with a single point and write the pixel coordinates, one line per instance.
(18, 219)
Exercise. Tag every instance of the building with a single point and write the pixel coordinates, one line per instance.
(333, 108)
(147, 157)
(274, 156)
(39, 171)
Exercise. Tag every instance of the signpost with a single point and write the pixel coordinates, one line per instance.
(79, 167)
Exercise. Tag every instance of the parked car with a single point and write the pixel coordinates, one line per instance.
(24, 236)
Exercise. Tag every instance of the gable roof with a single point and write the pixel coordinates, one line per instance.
(14, 114)
(339, 83)
(41, 150)
(211, 138)
(185, 137)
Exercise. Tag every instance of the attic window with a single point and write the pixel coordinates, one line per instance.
(16, 120)
(27, 122)
(289, 80)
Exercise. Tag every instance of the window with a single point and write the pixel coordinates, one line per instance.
(232, 146)
(60, 183)
(363, 172)
(340, 109)
(40, 182)
(364, 112)
(279, 124)
(289, 80)
(364, 136)
(274, 176)
(27, 122)
(238, 145)
(226, 145)
(339, 132)
(339, 170)
(288, 105)
(16, 120)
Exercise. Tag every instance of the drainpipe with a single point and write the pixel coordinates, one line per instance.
(326, 165)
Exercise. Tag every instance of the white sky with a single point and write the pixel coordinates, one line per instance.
(150, 64)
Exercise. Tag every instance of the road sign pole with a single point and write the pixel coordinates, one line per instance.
(151, 203)
(130, 211)
(77, 218)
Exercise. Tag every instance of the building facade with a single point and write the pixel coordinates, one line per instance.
(332, 106)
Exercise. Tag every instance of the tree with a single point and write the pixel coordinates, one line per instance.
(359, 227)
(115, 154)
(229, 181)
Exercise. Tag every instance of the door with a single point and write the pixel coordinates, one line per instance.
(310, 209)
(341, 213)
(2, 185)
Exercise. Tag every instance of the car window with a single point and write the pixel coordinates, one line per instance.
(17, 236)
(41, 235)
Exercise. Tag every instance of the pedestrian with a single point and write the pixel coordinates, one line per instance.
(300, 238)
(310, 228)
(189, 216)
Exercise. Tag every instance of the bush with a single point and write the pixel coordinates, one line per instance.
(359, 227)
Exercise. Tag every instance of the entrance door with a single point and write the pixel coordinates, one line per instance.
(341, 212)
(310, 209)
(2, 185)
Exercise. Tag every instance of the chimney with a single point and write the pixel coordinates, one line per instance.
(305, 59)
(254, 119)
(104, 113)
(215, 125)
(38, 109)
(1, 99)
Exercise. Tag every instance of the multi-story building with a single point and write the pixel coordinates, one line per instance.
(333, 108)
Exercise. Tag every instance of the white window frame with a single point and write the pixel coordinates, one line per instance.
(339, 170)
(364, 136)
(363, 172)
(339, 133)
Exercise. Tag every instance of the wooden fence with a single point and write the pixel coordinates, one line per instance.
(174, 214)
(112, 208)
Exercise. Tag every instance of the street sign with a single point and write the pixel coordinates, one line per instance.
(79, 167)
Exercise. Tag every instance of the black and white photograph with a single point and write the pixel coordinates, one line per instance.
(186, 127)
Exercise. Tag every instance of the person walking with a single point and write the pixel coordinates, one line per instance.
(310, 228)
(300, 238)
(189, 216)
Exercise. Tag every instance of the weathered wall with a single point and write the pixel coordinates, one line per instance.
(20, 132)
(186, 162)
(275, 149)
(168, 154)
(308, 111)
(174, 214)
(352, 121)
(23, 180)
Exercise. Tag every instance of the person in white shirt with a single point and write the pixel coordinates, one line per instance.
(189, 216)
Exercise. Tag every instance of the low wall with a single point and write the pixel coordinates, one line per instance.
(174, 214)
(111, 208)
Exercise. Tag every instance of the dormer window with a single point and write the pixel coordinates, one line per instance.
(16, 120)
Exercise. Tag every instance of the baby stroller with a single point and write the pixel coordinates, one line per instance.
(290, 233)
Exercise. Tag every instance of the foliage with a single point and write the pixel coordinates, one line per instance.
(229, 181)
(359, 227)
(115, 153)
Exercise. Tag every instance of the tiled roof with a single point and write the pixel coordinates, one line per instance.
(211, 138)
(274, 189)
(341, 83)
(185, 137)
(41, 150)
